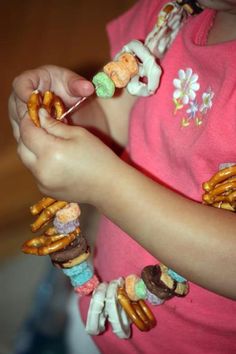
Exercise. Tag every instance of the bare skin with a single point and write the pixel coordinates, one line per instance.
(202, 234)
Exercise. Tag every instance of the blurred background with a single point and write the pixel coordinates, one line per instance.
(68, 33)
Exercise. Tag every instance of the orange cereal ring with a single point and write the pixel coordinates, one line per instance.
(130, 62)
(118, 72)
(44, 245)
(130, 282)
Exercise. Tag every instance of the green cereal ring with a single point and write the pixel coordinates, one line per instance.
(104, 86)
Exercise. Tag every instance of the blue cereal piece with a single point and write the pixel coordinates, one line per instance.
(176, 276)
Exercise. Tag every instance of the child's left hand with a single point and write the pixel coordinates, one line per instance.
(68, 162)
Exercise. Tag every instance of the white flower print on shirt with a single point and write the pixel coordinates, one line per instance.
(185, 97)
(186, 85)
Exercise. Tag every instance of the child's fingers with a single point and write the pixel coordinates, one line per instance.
(55, 127)
(80, 87)
(34, 138)
(16, 130)
(28, 157)
(30, 80)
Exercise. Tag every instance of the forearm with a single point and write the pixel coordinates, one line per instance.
(195, 240)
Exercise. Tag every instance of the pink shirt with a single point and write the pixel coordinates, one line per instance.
(181, 135)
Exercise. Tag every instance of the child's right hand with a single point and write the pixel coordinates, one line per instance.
(65, 83)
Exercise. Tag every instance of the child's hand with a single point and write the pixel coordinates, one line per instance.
(65, 83)
(68, 162)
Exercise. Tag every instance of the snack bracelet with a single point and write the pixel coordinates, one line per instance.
(121, 301)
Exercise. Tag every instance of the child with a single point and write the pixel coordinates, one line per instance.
(151, 197)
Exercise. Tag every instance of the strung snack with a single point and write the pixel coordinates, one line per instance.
(220, 190)
(44, 245)
(148, 68)
(130, 283)
(138, 312)
(40, 205)
(104, 86)
(191, 6)
(169, 22)
(161, 284)
(115, 312)
(47, 214)
(96, 317)
(122, 70)
(79, 274)
(140, 289)
(72, 254)
(52, 103)
(130, 62)
(87, 287)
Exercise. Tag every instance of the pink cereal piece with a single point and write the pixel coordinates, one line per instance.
(69, 213)
(88, 287)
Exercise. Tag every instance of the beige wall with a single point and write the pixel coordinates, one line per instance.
(69, 33)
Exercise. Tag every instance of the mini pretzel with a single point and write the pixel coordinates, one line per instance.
(220, 176)
(52, 103)
(47, 214)
(138, 311)
(41, 204)
(44, 245)
(221, 189)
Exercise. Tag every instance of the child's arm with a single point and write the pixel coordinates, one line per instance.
(195, 240)
(71, 163)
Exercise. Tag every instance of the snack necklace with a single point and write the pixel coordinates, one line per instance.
(124, 300)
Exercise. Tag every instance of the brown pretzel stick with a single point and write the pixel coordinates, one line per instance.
(138, 312)
(44, 245)
(47, 214)
(34, 103)
(220, 190)
(219, 177)
(41, 204)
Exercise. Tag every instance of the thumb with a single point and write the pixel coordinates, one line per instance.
(54, 126)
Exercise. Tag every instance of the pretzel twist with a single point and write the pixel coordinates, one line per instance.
(138, 311)
(220, 190)
(52, 103)
(44, 245)
(47, 214)
(41, 204)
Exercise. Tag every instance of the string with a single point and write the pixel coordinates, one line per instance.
(73, 108)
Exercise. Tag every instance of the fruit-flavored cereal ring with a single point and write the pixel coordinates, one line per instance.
(69, 213)
(104, 86)
(118, 72)
(130, 62)
(87, 287)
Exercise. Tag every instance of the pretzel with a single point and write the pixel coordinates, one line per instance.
(41, 204)
(52, 103)
(218, 177)
(47, 214)
(220, 190)
(44, 245)
(138, 311)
